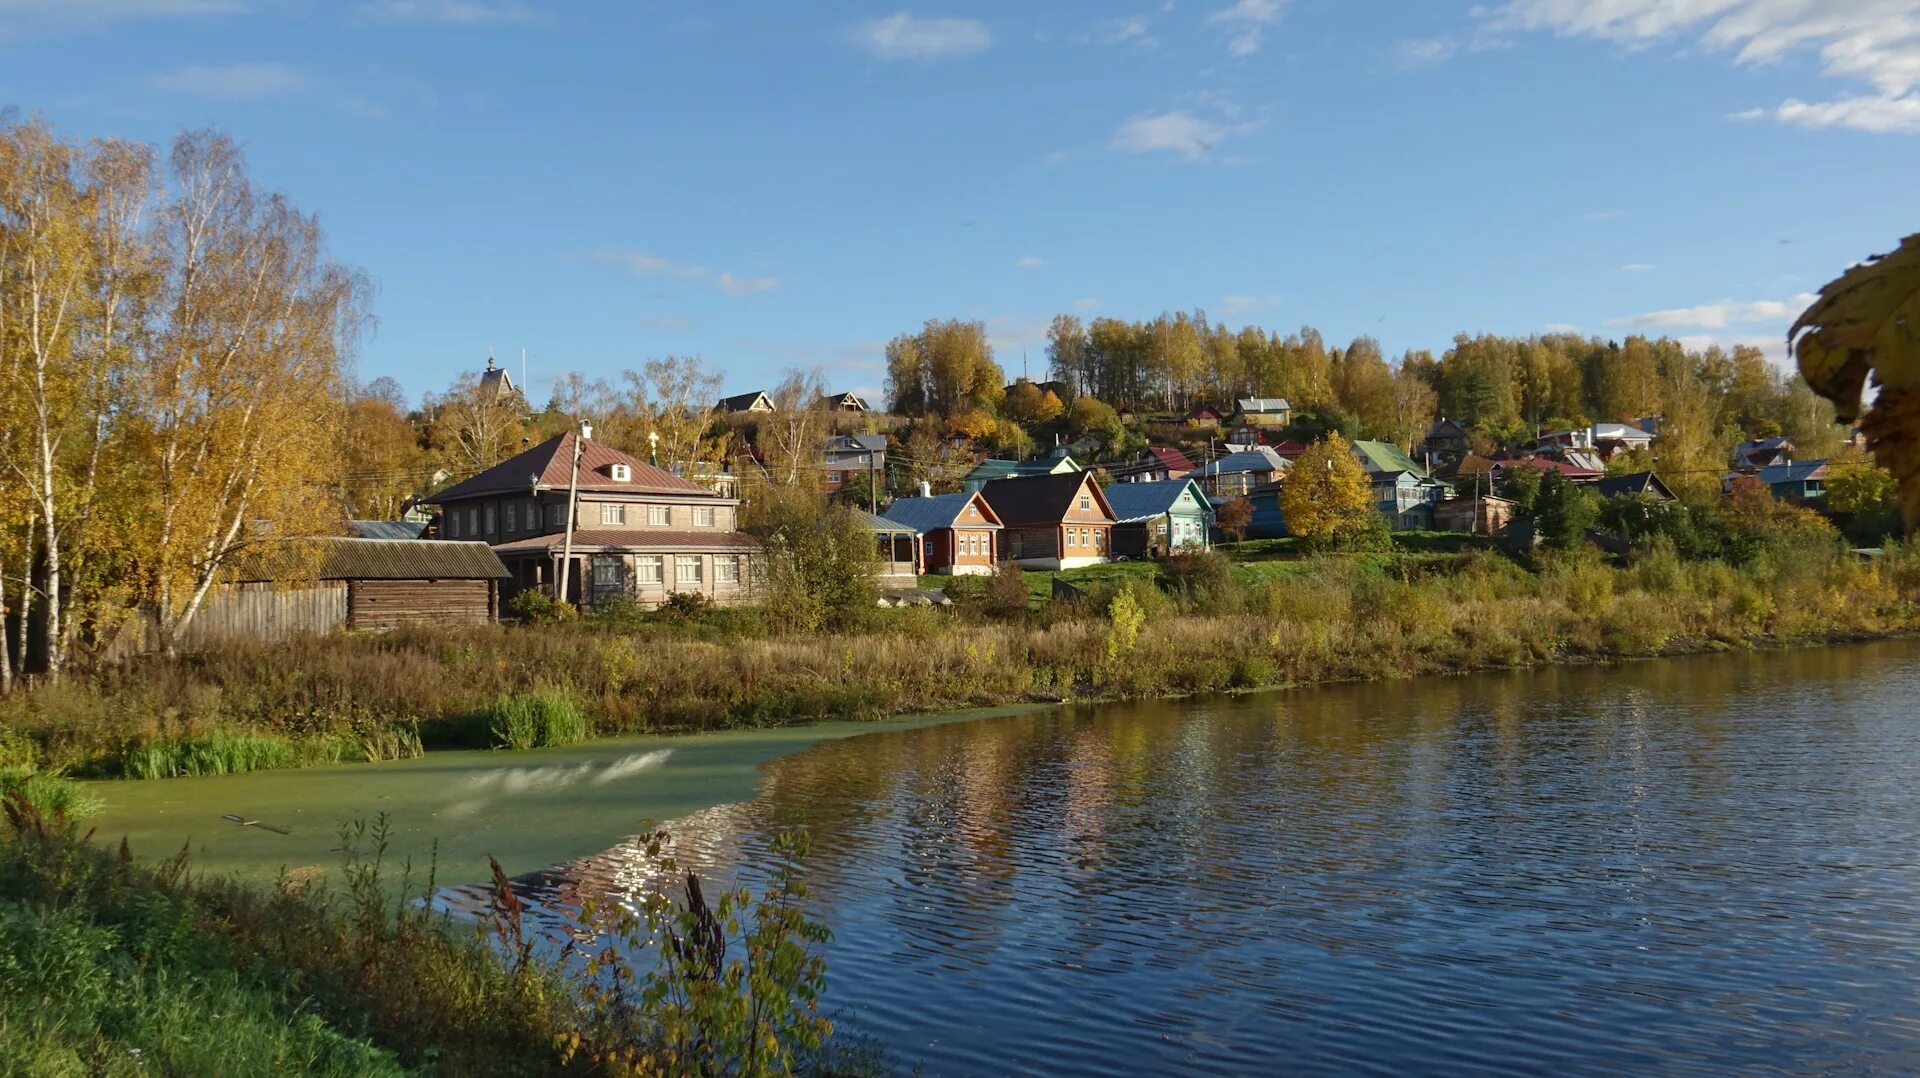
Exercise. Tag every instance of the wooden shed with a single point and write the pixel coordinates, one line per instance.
(380, 583)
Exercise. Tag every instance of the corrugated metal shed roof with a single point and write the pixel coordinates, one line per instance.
(387, 529)
(1143, 501)
(881, 524)
(642, 540)
(550, 465)
(373, 559)
(923, 515)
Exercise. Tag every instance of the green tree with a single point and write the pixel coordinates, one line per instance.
(816, 562)
(1563, 511)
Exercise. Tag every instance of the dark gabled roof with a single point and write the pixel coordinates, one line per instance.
(1446, 428)
(1143, 501)
(923, 515)
(387, 529)
(1039, 499)
(1637, 483)
(741, 402)
(641, 540)
(552, 460)
(860, 443)
(1798, 471)
(372, 559)
(842, 400)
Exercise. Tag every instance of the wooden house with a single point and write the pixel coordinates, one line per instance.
(637, 531)
(1168, 516)
(757, 401)
(854, 461)
(845, 402)
(1163, 462)
(957, 534)
(1483, 514)
(1404, 492)
(1238, 474)
(1646, 484)
(1265, 412)
(1052, 521)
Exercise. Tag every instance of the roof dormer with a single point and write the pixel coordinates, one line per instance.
(622, 473)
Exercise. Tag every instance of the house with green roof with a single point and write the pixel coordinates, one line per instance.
(1403, 491)
(989, 470)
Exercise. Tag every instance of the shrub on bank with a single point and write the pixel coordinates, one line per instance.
(541, 719)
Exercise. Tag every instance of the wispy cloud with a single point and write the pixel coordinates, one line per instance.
(675, 323)
(646, 264)
(1231, 305)
(449, 12)
(746, 285)
(1126, 30)
(92, 14)
(1246, 23)
(1086, 305)
(1425, 52)
(1562, 327)
(1719, 315)
(1030, 261)
(1876, 115)
(902, 36)
(1177, 132)
(1876, 42)
(1637, 267)
(234, 82)
(1604, 215)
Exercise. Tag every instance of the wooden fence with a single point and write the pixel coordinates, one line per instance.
(243, 611)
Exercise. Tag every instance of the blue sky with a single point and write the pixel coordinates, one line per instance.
(778, 184)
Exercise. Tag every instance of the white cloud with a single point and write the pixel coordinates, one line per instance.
(1030, 261)
(1637, 267)
(1876, 42)
(1127, 30)
(1719, 315)
(94, 13)
(1562, 327)
(746, 285)
(1011, 334)
(1878, 115)
(1426, 52)
(1246, 21)
(1178, 132)
(643, 264)
(1773, 346)
(448, 12)
(234, 82)
(1241, 304)
(901, 36)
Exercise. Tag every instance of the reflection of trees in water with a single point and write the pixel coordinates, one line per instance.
(1065, 832)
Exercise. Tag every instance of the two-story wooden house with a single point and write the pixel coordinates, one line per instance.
(1052, 521)
(638, 531)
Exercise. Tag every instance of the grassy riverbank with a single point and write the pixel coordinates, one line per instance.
(112, 966)
(1202, 625)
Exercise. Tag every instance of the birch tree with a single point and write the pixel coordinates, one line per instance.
(241, 382)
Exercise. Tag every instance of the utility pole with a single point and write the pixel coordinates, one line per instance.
(573, 496)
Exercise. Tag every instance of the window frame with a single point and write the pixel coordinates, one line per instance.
(615, 511)
(681, 562)
(705, 511)
(660, 516)
(656, 563)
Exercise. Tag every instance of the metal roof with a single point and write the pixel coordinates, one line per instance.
(924, 515)
(1143, 501)
(550, 465)
(387, 529)
(1386, 457)
(1265, 404)
(1798, 471)
(881, 524)
(1258, 459)
(635, 540)
(373, 559)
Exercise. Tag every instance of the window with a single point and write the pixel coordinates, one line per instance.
(726, 569)
(453, 525)
(659, 515)
(513, 516)
(489, 518)
(703, 516)
(613, 514)
(622, 473)
(1086, 503)
(606, 571)
(647, 568)
(686, 569)
(1099, 541)
(556, 515)
(473, 521)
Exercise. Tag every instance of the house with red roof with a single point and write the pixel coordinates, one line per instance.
(630, 529)
(1547, 464)
(1165, 462)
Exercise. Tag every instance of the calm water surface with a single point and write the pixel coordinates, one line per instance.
(1702, 866)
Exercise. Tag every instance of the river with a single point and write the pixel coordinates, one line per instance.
(1697, 866)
